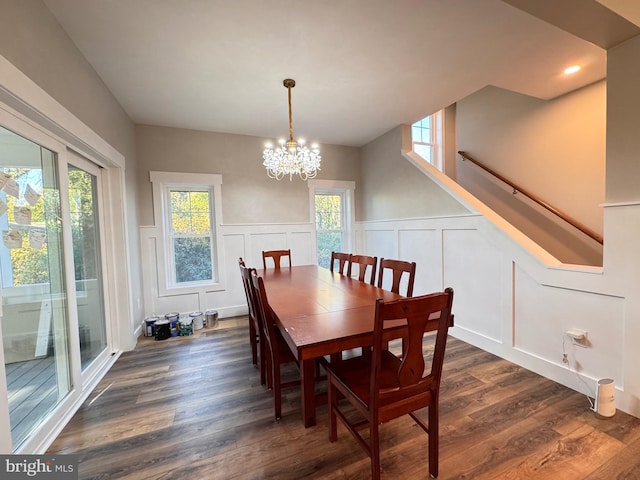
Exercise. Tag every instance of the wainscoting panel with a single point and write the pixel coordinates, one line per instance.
(515, 301)
(300, 238)
(229, 302)
(276, 240)
(304, 246)
(246, 241)
(423, 246)
(379, 243)
(543, 315)
(235, 246)
(475, 270)
(184, 303)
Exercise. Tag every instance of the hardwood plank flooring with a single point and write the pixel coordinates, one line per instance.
(193, 408)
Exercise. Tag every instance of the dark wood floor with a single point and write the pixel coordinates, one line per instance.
(193, 408)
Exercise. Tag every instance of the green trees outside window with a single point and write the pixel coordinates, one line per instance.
(329, 226)
(29, 265)
(191, 230)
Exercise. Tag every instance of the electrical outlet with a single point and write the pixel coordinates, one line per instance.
(578, 337)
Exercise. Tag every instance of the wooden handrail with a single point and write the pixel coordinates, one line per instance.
(516, 188)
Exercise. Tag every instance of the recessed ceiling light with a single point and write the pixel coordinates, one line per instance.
(571, 69)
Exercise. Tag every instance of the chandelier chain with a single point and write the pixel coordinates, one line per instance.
(289, 86)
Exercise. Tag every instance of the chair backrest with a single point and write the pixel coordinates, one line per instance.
(363, 262)
(343, 259)
(423, 314)
(276, 255)
(398, 268)
(245, 273)
(263, 309)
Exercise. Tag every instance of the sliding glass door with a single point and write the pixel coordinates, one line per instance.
(53, 315)
(84, 192)
(35, 319)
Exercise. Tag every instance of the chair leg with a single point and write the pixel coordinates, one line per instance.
(332, 401)
(253, 342)
(277, 390)
(263, 362)
(374, 446)
(268, 358)
(433, 439)
(367, 352)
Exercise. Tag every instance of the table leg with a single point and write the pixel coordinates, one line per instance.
(308, 387)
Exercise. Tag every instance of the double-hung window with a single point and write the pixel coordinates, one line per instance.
(330, 225)
(426, 137)
(190, 233)
(190, 206)
(333, 216)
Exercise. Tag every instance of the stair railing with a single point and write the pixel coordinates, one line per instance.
(517, 189)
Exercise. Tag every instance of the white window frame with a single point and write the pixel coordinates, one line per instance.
(346, 189)
(437, 139)
(162, 184)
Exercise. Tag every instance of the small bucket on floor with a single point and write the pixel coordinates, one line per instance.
(197, 320)
(211, 318)
(163, 329)
(185, 326)
(173, 318)
(150, 326)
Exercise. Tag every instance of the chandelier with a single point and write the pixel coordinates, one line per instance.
(291, 157)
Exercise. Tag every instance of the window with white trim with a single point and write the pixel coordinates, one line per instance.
(426, 138)
(190, 206)
(330, 225)
(333, 215)
(190, 233)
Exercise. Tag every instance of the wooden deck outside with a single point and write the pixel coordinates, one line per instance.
(32, 393)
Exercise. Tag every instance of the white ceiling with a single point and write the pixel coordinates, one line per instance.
(362, 67)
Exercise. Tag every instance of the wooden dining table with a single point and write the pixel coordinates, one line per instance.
(320, 313)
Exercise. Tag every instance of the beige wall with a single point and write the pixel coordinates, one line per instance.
(393, 188)
(248, 195)
(555, 149)
(33, 41)
(623, 122)
(450, 153)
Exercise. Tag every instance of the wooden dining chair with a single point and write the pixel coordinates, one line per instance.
(278, 352)
(398, 268)
(343, 260)
(255, 333)
(344, 264)
(384, 386)
(276, 256)
(364, 262)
